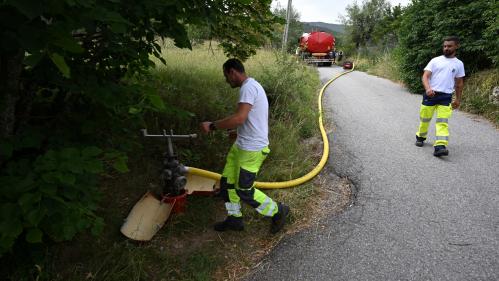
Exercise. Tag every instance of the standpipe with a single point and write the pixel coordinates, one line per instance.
(302, 179)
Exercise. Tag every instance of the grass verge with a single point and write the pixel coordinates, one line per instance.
(477, 90)
(192, 85)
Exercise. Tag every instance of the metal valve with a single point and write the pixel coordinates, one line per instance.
(173, 173)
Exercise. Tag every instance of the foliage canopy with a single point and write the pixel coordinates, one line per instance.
(295, 29)
(425, 24)
(71, 104)
(362, 20)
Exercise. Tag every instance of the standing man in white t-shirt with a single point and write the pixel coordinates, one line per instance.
(442, 76)
(247, 153)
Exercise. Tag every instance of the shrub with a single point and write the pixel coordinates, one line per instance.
(425, 24)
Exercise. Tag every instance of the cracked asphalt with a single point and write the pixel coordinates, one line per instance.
(414, 216)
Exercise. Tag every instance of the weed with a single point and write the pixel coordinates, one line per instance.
(476, 92)
(387, 66)
(194, 89)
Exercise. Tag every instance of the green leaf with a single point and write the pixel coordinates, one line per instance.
(59, 61)
(156, 101)
(91, 151)
(69, 44)
(134, 110)
(70, 153)
(67, 178)
(44, 163)
(83, 224)
(28, 200)
(76, 165)
(120, 165)
(35, 216)
(34, 235)
(112, 155)
(93, 166)
(19, 185)
(51, 177)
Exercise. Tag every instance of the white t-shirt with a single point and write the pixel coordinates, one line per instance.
(443, 72)
(253, 134)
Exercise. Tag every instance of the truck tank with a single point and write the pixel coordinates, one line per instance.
(317, 47)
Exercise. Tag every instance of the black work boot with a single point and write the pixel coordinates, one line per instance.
(420, 141)
(279, 218)
(440, 150)
(230, 223)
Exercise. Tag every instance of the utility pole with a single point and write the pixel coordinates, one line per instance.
(286, 28)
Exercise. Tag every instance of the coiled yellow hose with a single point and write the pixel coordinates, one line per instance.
(302, 179)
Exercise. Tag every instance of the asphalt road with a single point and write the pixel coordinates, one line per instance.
(415, 216)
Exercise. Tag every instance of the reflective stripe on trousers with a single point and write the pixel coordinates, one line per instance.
(233, 209)
(444, 113)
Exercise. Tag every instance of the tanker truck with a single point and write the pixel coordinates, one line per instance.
(317, 47)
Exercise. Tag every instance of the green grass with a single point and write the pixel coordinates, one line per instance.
(386, 66)
(383, 65)
(194, 82)
(194, 89)
(476, 92)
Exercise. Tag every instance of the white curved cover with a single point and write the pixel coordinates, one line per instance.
(147, 217)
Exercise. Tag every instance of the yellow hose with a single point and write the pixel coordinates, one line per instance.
(302, 179)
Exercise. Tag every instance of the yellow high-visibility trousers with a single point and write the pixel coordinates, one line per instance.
(238, 182)
(444, 113)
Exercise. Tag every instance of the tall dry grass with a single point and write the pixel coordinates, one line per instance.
(477, 90)
(194, 89)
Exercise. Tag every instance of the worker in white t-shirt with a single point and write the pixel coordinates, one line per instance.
(247, 153)
(443, 76)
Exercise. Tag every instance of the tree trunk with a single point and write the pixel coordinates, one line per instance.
(10, 72)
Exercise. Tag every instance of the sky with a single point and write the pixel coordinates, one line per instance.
(325, 10)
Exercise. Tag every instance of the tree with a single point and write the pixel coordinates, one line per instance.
(361, 21)
(425, 24)
(70, 101)
(385, 33)
(295, 28)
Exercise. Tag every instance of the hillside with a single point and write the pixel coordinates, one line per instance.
(322, 26)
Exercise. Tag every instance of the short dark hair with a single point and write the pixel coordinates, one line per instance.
(452, 38)
(233, 64)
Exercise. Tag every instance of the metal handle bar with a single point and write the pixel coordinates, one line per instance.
(170, 136)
